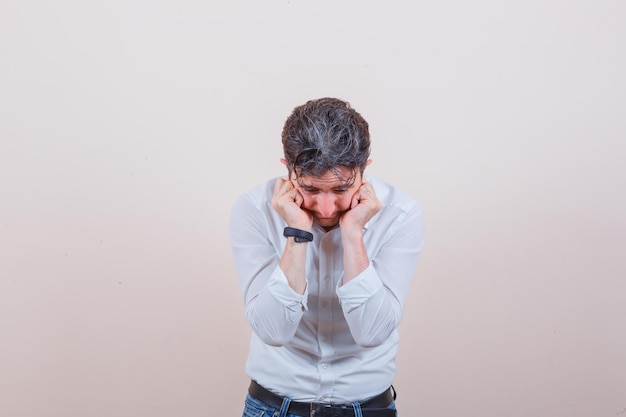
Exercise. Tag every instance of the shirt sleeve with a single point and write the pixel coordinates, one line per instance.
(272, 307)
(373, 301)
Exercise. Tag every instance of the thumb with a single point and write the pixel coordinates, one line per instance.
(354, 202)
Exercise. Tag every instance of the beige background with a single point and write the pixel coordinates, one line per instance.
(128, 128)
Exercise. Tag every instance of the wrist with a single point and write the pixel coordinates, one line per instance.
(351, 234)
(298, 235)
(306, 226)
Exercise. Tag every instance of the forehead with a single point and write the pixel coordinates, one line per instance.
(341, 177)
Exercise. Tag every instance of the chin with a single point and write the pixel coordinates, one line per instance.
(327, 222)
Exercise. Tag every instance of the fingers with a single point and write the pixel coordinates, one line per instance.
(297, 197)
(362, 195)
(366, 191)
(281, 186)
(287, 201)
(367, 188)
(284, 187)
(366, 196)
(354, 202)
(363, 206)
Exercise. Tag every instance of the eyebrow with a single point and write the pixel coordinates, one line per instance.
(313, 188)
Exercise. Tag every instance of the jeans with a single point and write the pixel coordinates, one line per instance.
(256, 408)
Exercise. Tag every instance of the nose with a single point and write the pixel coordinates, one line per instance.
(326, 205)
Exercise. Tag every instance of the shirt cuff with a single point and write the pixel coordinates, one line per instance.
(279, 287)
(359, 289)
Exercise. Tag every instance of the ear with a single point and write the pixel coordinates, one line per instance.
(369, 161)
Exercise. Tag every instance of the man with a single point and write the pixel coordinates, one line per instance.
(324, 258)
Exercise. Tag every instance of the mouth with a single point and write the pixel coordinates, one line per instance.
(326, 218)
(327, 223)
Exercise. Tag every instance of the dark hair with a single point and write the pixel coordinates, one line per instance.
(323, 135)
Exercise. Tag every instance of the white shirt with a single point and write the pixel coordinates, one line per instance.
(335, 343)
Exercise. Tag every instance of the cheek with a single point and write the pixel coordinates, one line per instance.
(343, 203)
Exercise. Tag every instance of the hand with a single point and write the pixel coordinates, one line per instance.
(363, 207)
(287, 201)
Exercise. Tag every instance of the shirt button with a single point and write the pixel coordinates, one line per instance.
(324, 304)
(324, 365)
(326, 278)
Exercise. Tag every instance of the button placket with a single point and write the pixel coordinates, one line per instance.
(325, 314)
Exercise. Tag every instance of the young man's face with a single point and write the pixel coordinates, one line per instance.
(328, 196)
